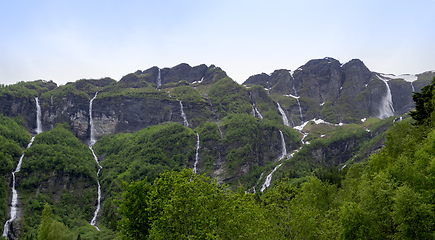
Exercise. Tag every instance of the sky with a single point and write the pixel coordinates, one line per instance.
(65, 41)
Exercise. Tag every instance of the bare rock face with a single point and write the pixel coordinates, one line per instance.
(128, 114)
(336, 92)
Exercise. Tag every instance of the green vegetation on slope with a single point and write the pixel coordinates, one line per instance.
(13, 139)
(189, 206)
(229, 97)
(58, 169)
(147, 153)
(26, 89)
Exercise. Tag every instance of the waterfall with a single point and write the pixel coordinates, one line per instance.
(283, 154)
(183, 115)
(269, 178)
(38, 116)
(299, 103)
(284, 117)
(91, 121)
(304, 135)
(196, 154)
(91, 144)
(386, 109)
(14, 201)
(159, 80)
(413, 89)
(220, 131)
(255, 111)
(284, 150)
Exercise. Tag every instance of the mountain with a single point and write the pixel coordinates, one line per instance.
(326, 89)
(287, 124)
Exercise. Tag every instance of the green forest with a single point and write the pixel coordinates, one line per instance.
(151, 192)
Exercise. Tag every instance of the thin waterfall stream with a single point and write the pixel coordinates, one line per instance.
(255, 112)
(183, 115)
(299, 103)
(284, 117)
(91, 144)
(14, 200)
(268, 180)
(196, 154)
(159, 79)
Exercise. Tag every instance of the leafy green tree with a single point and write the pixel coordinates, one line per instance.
(136, 212)
(188, 206)
(424, 105)
(50, 229)
(412, 215)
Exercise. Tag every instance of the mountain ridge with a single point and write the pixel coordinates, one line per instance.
(241, 135)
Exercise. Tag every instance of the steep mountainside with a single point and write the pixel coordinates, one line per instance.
(323, 115)
(326, 89)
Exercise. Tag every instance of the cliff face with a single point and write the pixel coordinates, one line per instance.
(335, 92)
(235, 134)
(322, 89)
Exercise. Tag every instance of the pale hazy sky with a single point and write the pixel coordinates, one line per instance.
(65, 40)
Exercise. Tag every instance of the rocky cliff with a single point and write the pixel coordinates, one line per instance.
(170, 118)
(335, 92)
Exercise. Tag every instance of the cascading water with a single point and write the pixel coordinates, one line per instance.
(269, 178)
(412, 85)
(299, 103)
(386, 109)
(220, 131)
(91, 144)
(196, 154)
(255, 111)
(38, 116)
(283, 154)
(284, 149)
(159, 79)
(183, 115)
(284, 117)
(14, 201)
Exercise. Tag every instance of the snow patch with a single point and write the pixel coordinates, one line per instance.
(406, 77)
(316, 121)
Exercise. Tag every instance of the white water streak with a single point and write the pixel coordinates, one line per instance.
(269, 178)
(299, 103)
(196, 154)
(386, 109)
(38, 116)
(14, 201)
(183, 115)
(283, 154)
(159, 79)
(91, 121)
(284, 149)
(284, 117)
(91, 144)
(255, 112)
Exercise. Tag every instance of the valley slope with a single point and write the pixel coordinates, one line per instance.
(323, 115)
